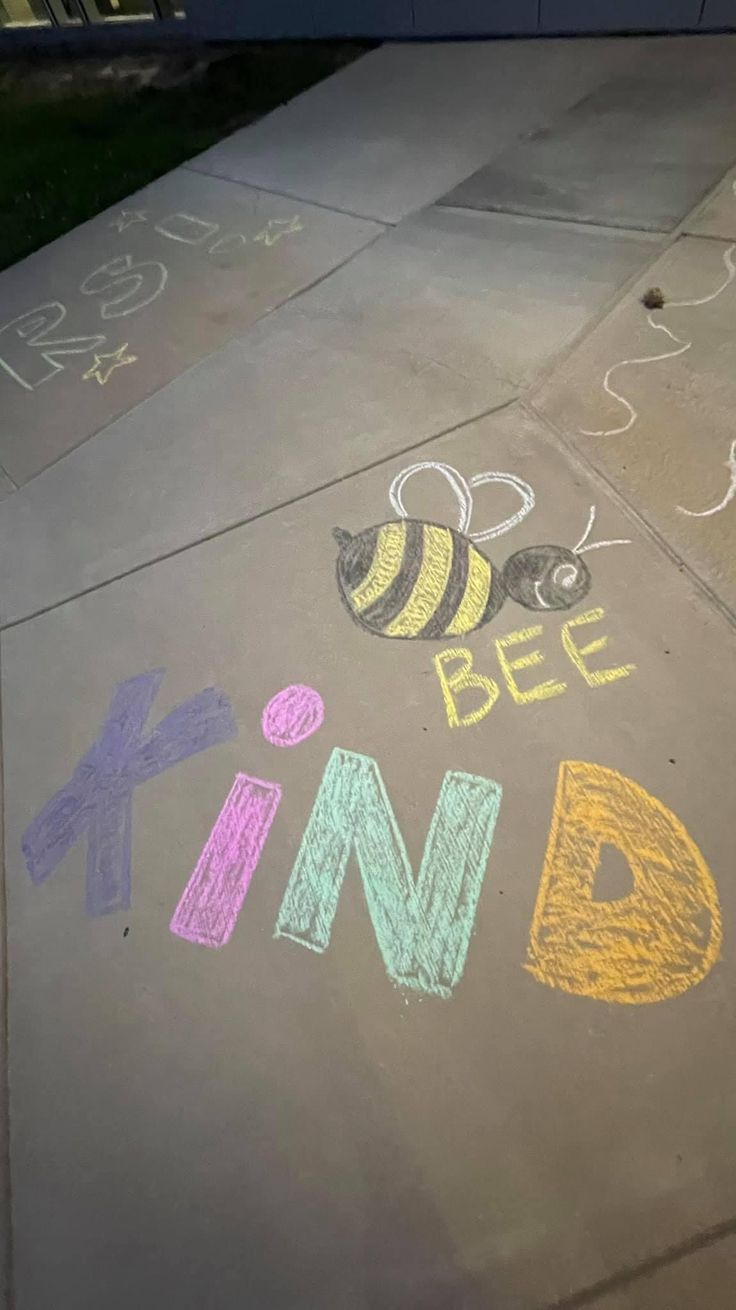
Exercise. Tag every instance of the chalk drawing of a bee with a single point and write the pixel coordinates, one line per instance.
(412, 579)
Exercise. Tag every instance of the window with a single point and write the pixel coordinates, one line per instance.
(119, 11)
(24, 13)
(67, 13)
(73, 13)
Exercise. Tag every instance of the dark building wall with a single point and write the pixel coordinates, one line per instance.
(404, 19)
(437, 18)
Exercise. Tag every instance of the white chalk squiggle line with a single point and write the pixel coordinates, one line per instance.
(730, 464)
(670, 354)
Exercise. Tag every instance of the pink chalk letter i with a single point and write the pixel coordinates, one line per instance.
(213, 897)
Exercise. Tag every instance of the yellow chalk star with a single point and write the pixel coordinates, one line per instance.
(101, 371)
(276, 228)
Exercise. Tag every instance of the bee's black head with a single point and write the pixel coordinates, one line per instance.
(546, 578)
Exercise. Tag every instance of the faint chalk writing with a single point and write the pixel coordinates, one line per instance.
(127, 217)
(97, 801)
(29, 355)
(276, 228)
(138, 285)
(192, 231)
(186, 228)
(730, 464)
(681, 345)
(104, 365)
(224, 245)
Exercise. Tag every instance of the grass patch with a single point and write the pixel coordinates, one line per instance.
(66, 156)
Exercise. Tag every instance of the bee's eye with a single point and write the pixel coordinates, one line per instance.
(546, 578)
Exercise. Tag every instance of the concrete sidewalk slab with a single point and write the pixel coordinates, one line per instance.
(666, 438)
(636, 153)
(269, 1121)
(705, 1278)
(717, 218)
(113, 311)
(266, 420)
(445, 322)
(396, 129)
(477, 291)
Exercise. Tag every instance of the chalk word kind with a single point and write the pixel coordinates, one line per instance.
(454, 667)
(650, 945)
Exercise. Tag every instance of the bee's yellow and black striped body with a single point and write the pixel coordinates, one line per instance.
(409, 579)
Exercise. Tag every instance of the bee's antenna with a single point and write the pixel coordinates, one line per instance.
(342, 537)
(586, 534)
(581, 547)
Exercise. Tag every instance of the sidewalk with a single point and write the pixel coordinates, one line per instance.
(500, 1075)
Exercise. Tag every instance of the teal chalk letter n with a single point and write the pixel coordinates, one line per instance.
(423, 925)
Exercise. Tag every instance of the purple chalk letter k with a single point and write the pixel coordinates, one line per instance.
(98, 798)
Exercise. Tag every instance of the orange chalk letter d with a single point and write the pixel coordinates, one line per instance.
(650, 945)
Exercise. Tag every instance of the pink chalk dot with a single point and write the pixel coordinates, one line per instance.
(292, 715)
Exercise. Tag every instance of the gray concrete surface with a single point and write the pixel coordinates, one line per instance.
(640, 151)
(458, 106)
(479, 294)
(266, 421)
(697, 1280)
(675, 461)
(98, 320)
(439, 324)
(265, 1124)
(717, 216)
(350, 1145)
(403, 125)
